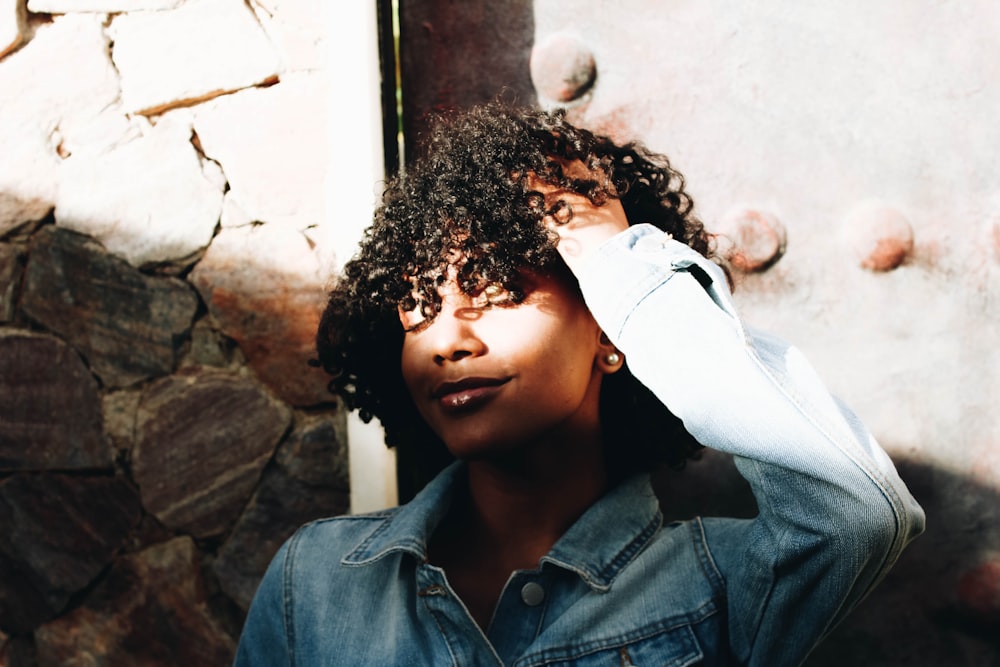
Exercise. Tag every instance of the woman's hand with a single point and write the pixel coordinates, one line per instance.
(588, 227)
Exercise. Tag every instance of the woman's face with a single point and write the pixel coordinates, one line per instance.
(491, 377)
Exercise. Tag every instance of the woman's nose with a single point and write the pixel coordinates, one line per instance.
(454, 333)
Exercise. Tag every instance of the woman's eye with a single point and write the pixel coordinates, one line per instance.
(410, 319)
(494, 294)
(495, 291)
(416, 315)
(412, 314)
(416, 327)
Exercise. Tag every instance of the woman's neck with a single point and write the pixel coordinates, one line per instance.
(512, 512)
(516, 507)
(521, 508)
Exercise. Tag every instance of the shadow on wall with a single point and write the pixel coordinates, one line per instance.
(940, 605)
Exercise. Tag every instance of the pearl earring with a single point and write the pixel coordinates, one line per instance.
(613, 358)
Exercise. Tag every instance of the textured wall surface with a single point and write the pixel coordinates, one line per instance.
(163, 263)
(848, 153)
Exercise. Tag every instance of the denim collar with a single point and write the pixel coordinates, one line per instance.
(611, 533)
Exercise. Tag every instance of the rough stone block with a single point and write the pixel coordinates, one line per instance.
(11, 270)
(59, 532)
(150, 611)
(17, 651)
(27, 171)
(99, 6)
(12, 25)
(307, 480)
(41, 117)
(211, 348)
(233, 214)
(79, 81)
(298, 29)
(50, 410)
(120, 409)
(200, 50)
(76, 104)
(127, 325)
(203, 437)
(158, 202)
(280, 181)
(262, 287)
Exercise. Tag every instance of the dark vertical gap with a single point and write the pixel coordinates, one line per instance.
(388, 60)
(455, 54)
(392, 140)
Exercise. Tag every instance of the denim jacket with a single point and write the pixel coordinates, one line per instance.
(621, 587)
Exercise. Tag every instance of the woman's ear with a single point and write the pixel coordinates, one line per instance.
(609, 358)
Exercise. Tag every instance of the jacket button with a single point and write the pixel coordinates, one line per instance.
(532, 594)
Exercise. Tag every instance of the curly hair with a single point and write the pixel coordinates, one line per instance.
(470, 195)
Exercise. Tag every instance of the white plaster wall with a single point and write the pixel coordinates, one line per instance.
(353, 190)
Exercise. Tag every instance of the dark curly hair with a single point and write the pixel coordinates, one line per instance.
(470, 196)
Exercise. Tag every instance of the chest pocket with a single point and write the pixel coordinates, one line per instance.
(676, 647)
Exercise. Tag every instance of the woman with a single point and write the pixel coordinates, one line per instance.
(533, 314)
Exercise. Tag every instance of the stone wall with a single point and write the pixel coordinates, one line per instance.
(162, 270)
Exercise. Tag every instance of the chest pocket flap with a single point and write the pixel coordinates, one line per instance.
(673, 647)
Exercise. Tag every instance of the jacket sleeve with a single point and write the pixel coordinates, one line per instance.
(265, 639)
(833, 513)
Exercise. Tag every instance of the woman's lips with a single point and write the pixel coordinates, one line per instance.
(467, 393)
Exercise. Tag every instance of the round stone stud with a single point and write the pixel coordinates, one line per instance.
(562, 67)
(880, 235)
(751, 239)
